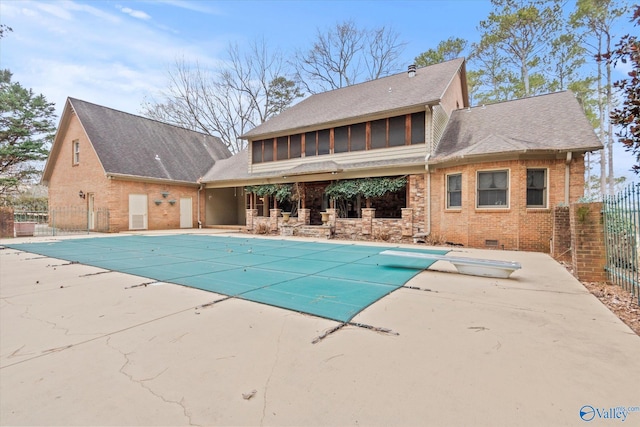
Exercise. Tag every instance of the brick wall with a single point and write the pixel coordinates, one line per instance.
(561, 240)
(516, 227)
(161, 216)
(587, 241)
(6, 222)
(68, 179)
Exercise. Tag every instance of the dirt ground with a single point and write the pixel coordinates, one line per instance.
(619, 301)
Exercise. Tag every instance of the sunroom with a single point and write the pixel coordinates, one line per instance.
(334, 178)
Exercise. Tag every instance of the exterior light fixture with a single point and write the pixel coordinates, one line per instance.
(81, 195)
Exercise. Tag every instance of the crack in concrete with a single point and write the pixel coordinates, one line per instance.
(26, 314)
(273, 368)
(99, 337)
(16, 353)
(127, 361)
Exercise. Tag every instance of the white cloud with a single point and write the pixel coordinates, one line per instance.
(73, 49)
(93, 11)
(196, 6)
(55, 9)
(134, 13)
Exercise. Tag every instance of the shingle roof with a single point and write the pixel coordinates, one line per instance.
(236, 168)
(360, 100)
(233, 168)
(127, 144)
(554, 122)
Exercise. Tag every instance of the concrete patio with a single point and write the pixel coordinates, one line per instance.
(81, 346)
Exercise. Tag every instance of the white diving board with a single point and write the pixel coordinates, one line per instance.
(471, 266)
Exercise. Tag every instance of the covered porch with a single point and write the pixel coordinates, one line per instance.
(328, 209)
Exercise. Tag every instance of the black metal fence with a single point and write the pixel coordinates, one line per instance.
(61, 221)
(622, 238)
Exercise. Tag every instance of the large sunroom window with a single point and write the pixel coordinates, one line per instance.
(408, 129)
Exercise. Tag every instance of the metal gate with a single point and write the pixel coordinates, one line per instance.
(622, 238)
(61, 221)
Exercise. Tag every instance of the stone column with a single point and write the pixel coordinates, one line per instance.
(251, 214)
(367, 220)
(407, 222)
(304, 216)
(273, 219)
(331, 224)
(332, 216)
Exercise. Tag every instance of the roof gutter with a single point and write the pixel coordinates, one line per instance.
(127, 177)
(507, 155)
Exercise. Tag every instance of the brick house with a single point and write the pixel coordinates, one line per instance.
(142, 172)
(488, 176)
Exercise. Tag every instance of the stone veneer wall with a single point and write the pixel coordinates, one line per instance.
(366, 228)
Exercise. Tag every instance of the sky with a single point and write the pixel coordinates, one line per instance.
(117, 53)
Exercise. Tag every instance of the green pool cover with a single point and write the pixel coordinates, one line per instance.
(330, 280)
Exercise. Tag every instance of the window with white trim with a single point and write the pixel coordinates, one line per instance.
(76, 152)
(454, 191)
(536, 188)
(493, 189)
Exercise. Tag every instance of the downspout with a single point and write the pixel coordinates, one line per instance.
(429, 137)
(428, 219)
(200, 187)
(567, 177)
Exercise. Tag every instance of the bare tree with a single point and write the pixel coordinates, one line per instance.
(384, 50)
(339, 57)
(229, 101)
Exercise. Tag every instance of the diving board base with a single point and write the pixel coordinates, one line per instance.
(470, 266)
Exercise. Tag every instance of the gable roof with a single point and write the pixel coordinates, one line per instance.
(552, 123)
(545, 123)
(134, 146)
(365, 99)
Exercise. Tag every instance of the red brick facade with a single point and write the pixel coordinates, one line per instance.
(561, 242)
(69, 177)
(587, 241)
(6, 221)
(515, 227)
